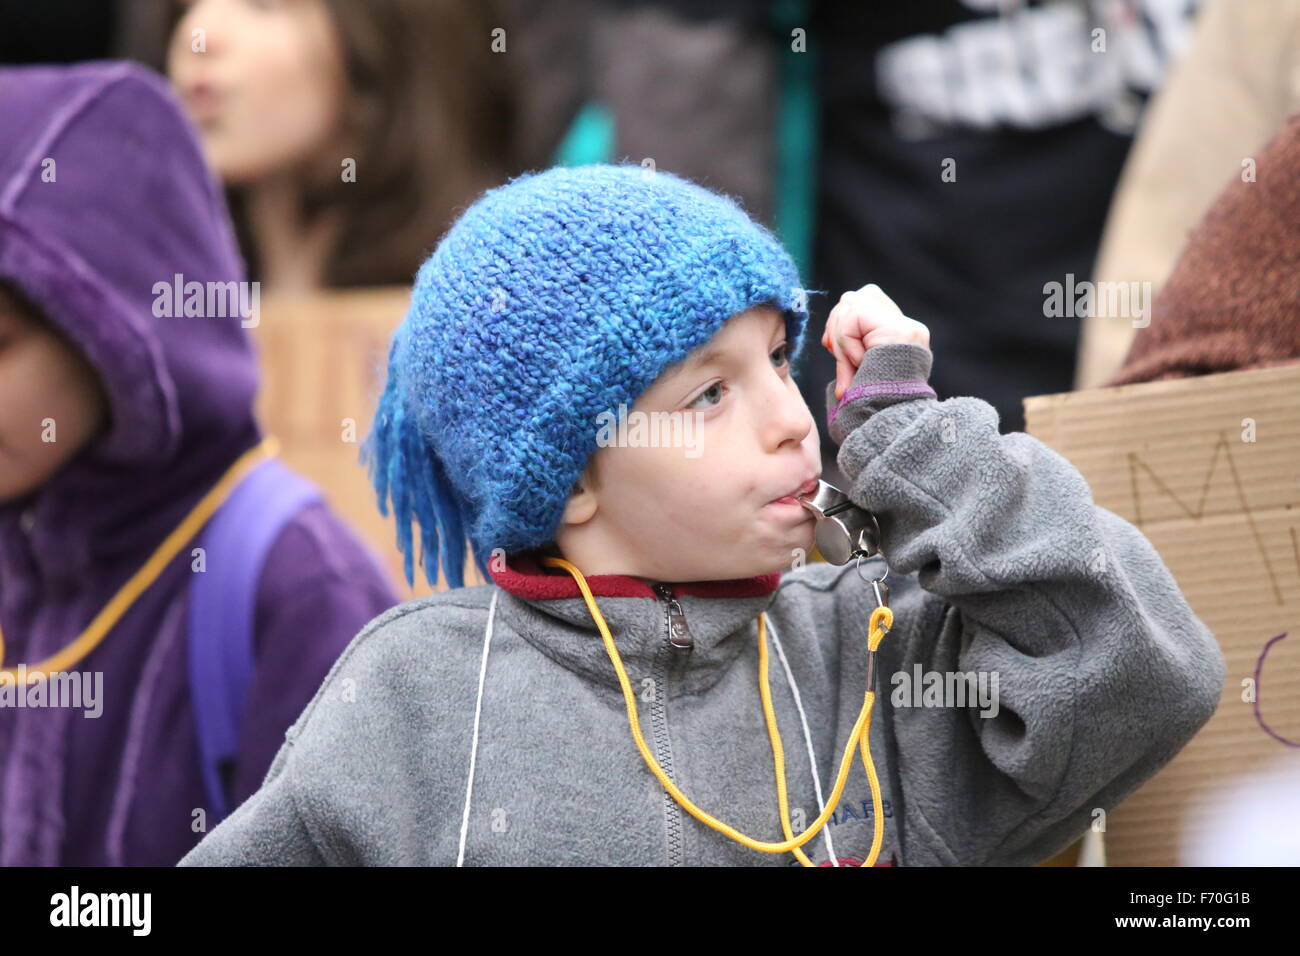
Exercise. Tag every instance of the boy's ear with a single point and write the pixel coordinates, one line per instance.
(582, 504)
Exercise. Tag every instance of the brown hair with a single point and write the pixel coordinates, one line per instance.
(430, 112)
(431, 115)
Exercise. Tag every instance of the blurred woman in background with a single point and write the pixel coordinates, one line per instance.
(347, 133)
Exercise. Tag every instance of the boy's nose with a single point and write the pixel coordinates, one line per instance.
(786, 416)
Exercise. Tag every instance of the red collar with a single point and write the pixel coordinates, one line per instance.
(524, 577)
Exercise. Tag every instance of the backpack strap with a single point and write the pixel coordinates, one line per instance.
(223, 600)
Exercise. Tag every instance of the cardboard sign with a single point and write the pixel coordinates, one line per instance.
(1209, 469)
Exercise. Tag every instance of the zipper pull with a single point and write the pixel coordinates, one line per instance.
(679, 635)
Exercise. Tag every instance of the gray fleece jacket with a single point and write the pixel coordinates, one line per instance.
(486, 726)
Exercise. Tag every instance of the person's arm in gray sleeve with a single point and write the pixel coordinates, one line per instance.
(264, 830)
(1104, 672)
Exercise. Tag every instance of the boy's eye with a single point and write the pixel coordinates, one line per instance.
(716, 387)
(780, 357)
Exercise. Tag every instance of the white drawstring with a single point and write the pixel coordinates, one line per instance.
(478, 711)
(807, 737)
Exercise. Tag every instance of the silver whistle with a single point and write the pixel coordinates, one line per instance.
(844, 531)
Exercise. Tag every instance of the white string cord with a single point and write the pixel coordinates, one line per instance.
(478, 712)
(807, 737)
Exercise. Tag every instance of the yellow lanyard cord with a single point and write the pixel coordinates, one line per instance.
(149, 571)
(882, 618)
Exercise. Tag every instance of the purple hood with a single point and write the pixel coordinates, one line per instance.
(180, 390)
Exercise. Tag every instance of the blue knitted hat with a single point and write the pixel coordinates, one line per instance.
(554, 297)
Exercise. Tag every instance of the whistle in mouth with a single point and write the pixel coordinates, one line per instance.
(844, 531)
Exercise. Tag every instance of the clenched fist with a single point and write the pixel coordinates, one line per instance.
(862, 320)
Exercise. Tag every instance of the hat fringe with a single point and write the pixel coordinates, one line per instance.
(405, 470)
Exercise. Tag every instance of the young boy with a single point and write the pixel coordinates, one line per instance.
(498, 725)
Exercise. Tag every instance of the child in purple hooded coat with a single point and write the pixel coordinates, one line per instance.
(118, 416)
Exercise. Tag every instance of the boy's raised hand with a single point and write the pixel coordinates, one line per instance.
(862, 320)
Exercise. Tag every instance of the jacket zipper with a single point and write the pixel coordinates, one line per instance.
(677, 642)
(679, 635)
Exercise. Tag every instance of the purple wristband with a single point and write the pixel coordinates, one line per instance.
(900, 389)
